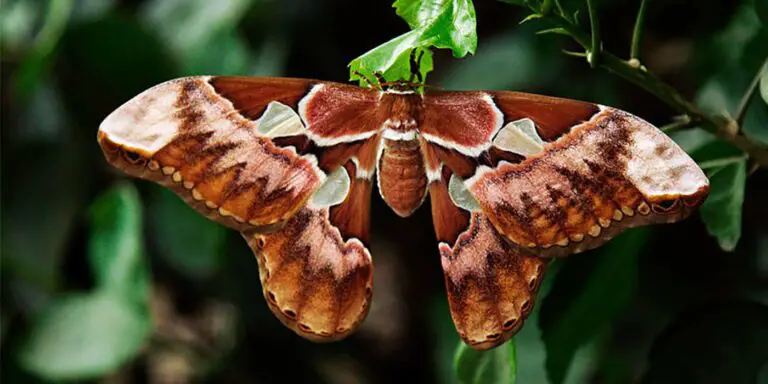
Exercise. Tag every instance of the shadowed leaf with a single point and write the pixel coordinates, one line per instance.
(493, 366)
(116, 248)
(721, 211)
(589, 292)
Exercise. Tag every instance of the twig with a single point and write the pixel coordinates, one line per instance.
(741, 111)
(722, 126)
(680, 123)
(637, 34)
(596, 45)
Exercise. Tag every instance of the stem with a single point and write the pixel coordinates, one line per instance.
(741, 111)
(680, 123)
(723, 127)
(595, 48)
(637, 34)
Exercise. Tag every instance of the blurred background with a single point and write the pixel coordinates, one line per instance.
(661, 305)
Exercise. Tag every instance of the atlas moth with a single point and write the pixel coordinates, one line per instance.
(513, 180)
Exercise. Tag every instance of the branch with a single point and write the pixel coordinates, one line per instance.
(723, 127)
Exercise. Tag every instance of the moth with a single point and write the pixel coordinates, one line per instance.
(513, 180)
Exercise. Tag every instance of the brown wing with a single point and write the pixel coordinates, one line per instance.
(314, 281)
(238, 150)
(558, 176)
(491, 285)
(185, 135)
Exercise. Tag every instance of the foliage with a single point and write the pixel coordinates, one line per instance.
(495, 366)
(672, 303)
(446, 24)
(86, 335)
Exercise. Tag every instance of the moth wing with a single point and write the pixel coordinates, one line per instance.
(557, 176)
(317, 283)
(187, 135)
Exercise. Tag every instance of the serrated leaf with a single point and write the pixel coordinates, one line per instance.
(448, 24)
(764, 86)
(115, 248)
(497, 365)
(721, 211)
(189, 242)
(587, 295)
(84, 336)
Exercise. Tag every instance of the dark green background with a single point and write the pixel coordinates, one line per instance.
(662, 305)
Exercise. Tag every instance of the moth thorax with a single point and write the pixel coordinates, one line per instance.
(404, 110)
(402, 179)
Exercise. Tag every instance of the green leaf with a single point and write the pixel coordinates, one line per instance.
(451, 22)
(84, 336)
(721, 211)
(497, 365)
(448, 24)
(116, 247)
(189, 242)
(391, 59)
(589, 292)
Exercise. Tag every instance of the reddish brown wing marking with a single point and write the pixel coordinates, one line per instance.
(463, 121)
(251, 95)
(185, 135)
(340, 113)
(353, 216)
(316, 283)
(613, 172)
(553, 116)
(448, 219)
(491, 285)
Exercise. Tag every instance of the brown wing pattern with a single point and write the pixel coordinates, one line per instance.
(610, 173)
(491, 286)
(316, 283)
(185, 136)
(200, 137)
